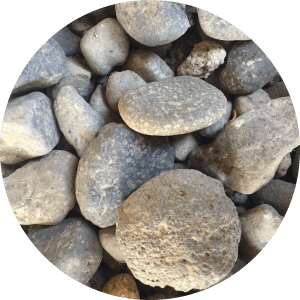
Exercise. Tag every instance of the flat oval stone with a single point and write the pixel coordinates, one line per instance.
(172, 106)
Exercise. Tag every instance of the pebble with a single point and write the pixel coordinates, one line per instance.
(122, 285)
(148, 65)
(10, 169)
(29, 128)
(213, 130)
(108, 240)
(258, 227)
(42, 191)
(204, 58)
(218, 28)
(277, 193)
(295, 165)
(77, 120)
(179, 229)
(98, 280)
(245, 155)
(153, 22)
(72, 246)
(247, 69)
(105, 46)
(118, 83)
(182, 105)
(116, 163)
(283, 166)
(278, 90)
(184, 144)
(45, 68)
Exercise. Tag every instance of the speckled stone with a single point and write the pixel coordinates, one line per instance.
(45, 68)
(116, 163)
(295, 166)
(122, 285)
(29, 128)
(72, 246)
(179, 229)
(152, 22)
(182, 104)
(247, 70)
(283, 166)
(278, 90)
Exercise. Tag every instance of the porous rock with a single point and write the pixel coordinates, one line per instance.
(153, 22)
(246, 153)
(182, 104)
(295, 166)
(259, 224)
(148, 65)
(277, 193)
(72, 246)
(179, 229)
(105, 46)
(283, 166)
(116, 163)
(43, 190)
(44, 69)
(29, 128)
(247, 69)
(278, 90)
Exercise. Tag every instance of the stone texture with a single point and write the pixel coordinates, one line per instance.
(122, 285)
(10, 169)
(277, 193)
(29, 128)
(204, 58)
(77, 120)
(258, 227)
(213, 130)
(43, 191)
(237, 198)
(108, 240)
(278, 90)
(179, 229)
(72, 246)
(152, 22)
(98, 280)
(218, 28)
(34, 228)
(116, 163)
(239, 264)
(247, 152)
(45, 68)
(295, 166)
(247, 70)
(118, 83)
(148, 65)
(82, 24)
(105, 46)
(114, 266)
(184, 144)
(283, 166)
(182, 104)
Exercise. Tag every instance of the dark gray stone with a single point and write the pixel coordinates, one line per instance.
(82, 24)
(104, 13)
(295, 166)
(247, 70)
(276, 91)
(116, 163)
(72, 246)
(98, 280)
(45, 68)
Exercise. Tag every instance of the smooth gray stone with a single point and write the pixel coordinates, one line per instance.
(276, 91)
(72, 246)
(247, 70)
(45, 68)
(116, 163)
(152, 22)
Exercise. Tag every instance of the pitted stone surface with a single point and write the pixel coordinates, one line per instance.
(182, 104)
(179, 229)
(153, 22)
(72, 246)
(116, 163)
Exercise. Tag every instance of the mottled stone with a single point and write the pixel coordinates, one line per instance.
(122, 285)
(29, 128)
(247, 70)
(116, 163)
(98, 280)
(278, 90)
(258, 227)
(204, 58)
(277, 193)
(10, 169)
(105, 46)
(72, 246)
(179, 229)
(283, 166)
(43, 191)
(118, 83)
(153, 22)
(218, 28)
(148, 65)
(184, 144)
(182, 104)
(239, 264)
(295, 166)
(45, 68)
(246, 153)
